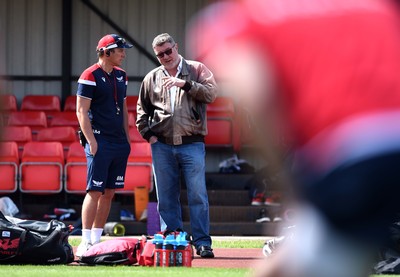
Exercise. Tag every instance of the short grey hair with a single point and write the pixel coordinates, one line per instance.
(161, 39)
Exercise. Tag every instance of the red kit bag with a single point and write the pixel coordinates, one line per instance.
(118, 251)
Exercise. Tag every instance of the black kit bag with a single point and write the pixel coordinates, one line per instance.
(34, 242)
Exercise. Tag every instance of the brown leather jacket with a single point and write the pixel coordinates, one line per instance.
(154, 114)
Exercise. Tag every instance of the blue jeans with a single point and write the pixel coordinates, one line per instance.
(168, 163)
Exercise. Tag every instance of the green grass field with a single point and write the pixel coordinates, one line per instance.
(138, 271)
(116, 271)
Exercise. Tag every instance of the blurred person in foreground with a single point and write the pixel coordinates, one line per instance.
(171, 116)
(325, 73)
(103, 117)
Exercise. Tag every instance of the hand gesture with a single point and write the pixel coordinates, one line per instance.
(169, 82)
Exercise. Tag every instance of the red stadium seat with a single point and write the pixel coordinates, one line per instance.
(36, 120)
(41, 103)
(222, 107)
(8, 103)
(19, 134)
(41, 168)
(135, 135)
(140, 152)
(131, 102)
(9, 162)
(132, 119)
(65, 119)
(64, 134)
(139, 169)
(133, 132)
(220, 133)
(75, 169)
(70, 104)
(49, 104)
(222, 125)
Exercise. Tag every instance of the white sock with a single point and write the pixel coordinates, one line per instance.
(86, 235)
(96, 234)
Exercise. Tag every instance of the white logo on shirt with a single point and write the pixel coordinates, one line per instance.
(104, 79)
(97, 183)
(120, 79)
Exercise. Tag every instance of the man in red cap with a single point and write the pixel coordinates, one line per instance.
(326, 74)
(103, 118)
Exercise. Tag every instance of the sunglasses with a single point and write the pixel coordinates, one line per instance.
(166, 52)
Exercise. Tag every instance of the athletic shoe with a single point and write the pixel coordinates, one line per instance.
(263, 217)
(271, 245)
(273, 200)
(277, 218)
(258, 199)
(83, 248)
(268, 247)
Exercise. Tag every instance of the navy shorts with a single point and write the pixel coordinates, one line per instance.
(107, 168)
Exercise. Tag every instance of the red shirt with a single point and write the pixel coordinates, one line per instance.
(334, 59)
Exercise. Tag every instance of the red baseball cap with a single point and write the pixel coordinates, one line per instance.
(112, 41)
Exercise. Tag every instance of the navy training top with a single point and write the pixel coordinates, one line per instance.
(105, 90)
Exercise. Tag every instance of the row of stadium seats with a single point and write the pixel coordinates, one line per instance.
(21, 134)
(223, 106)
(65, 131)
(42, 111)
(43, 168)
(48, 103)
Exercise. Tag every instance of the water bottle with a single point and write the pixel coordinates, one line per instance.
(169, 250)
(181, 244)
(158, 252)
